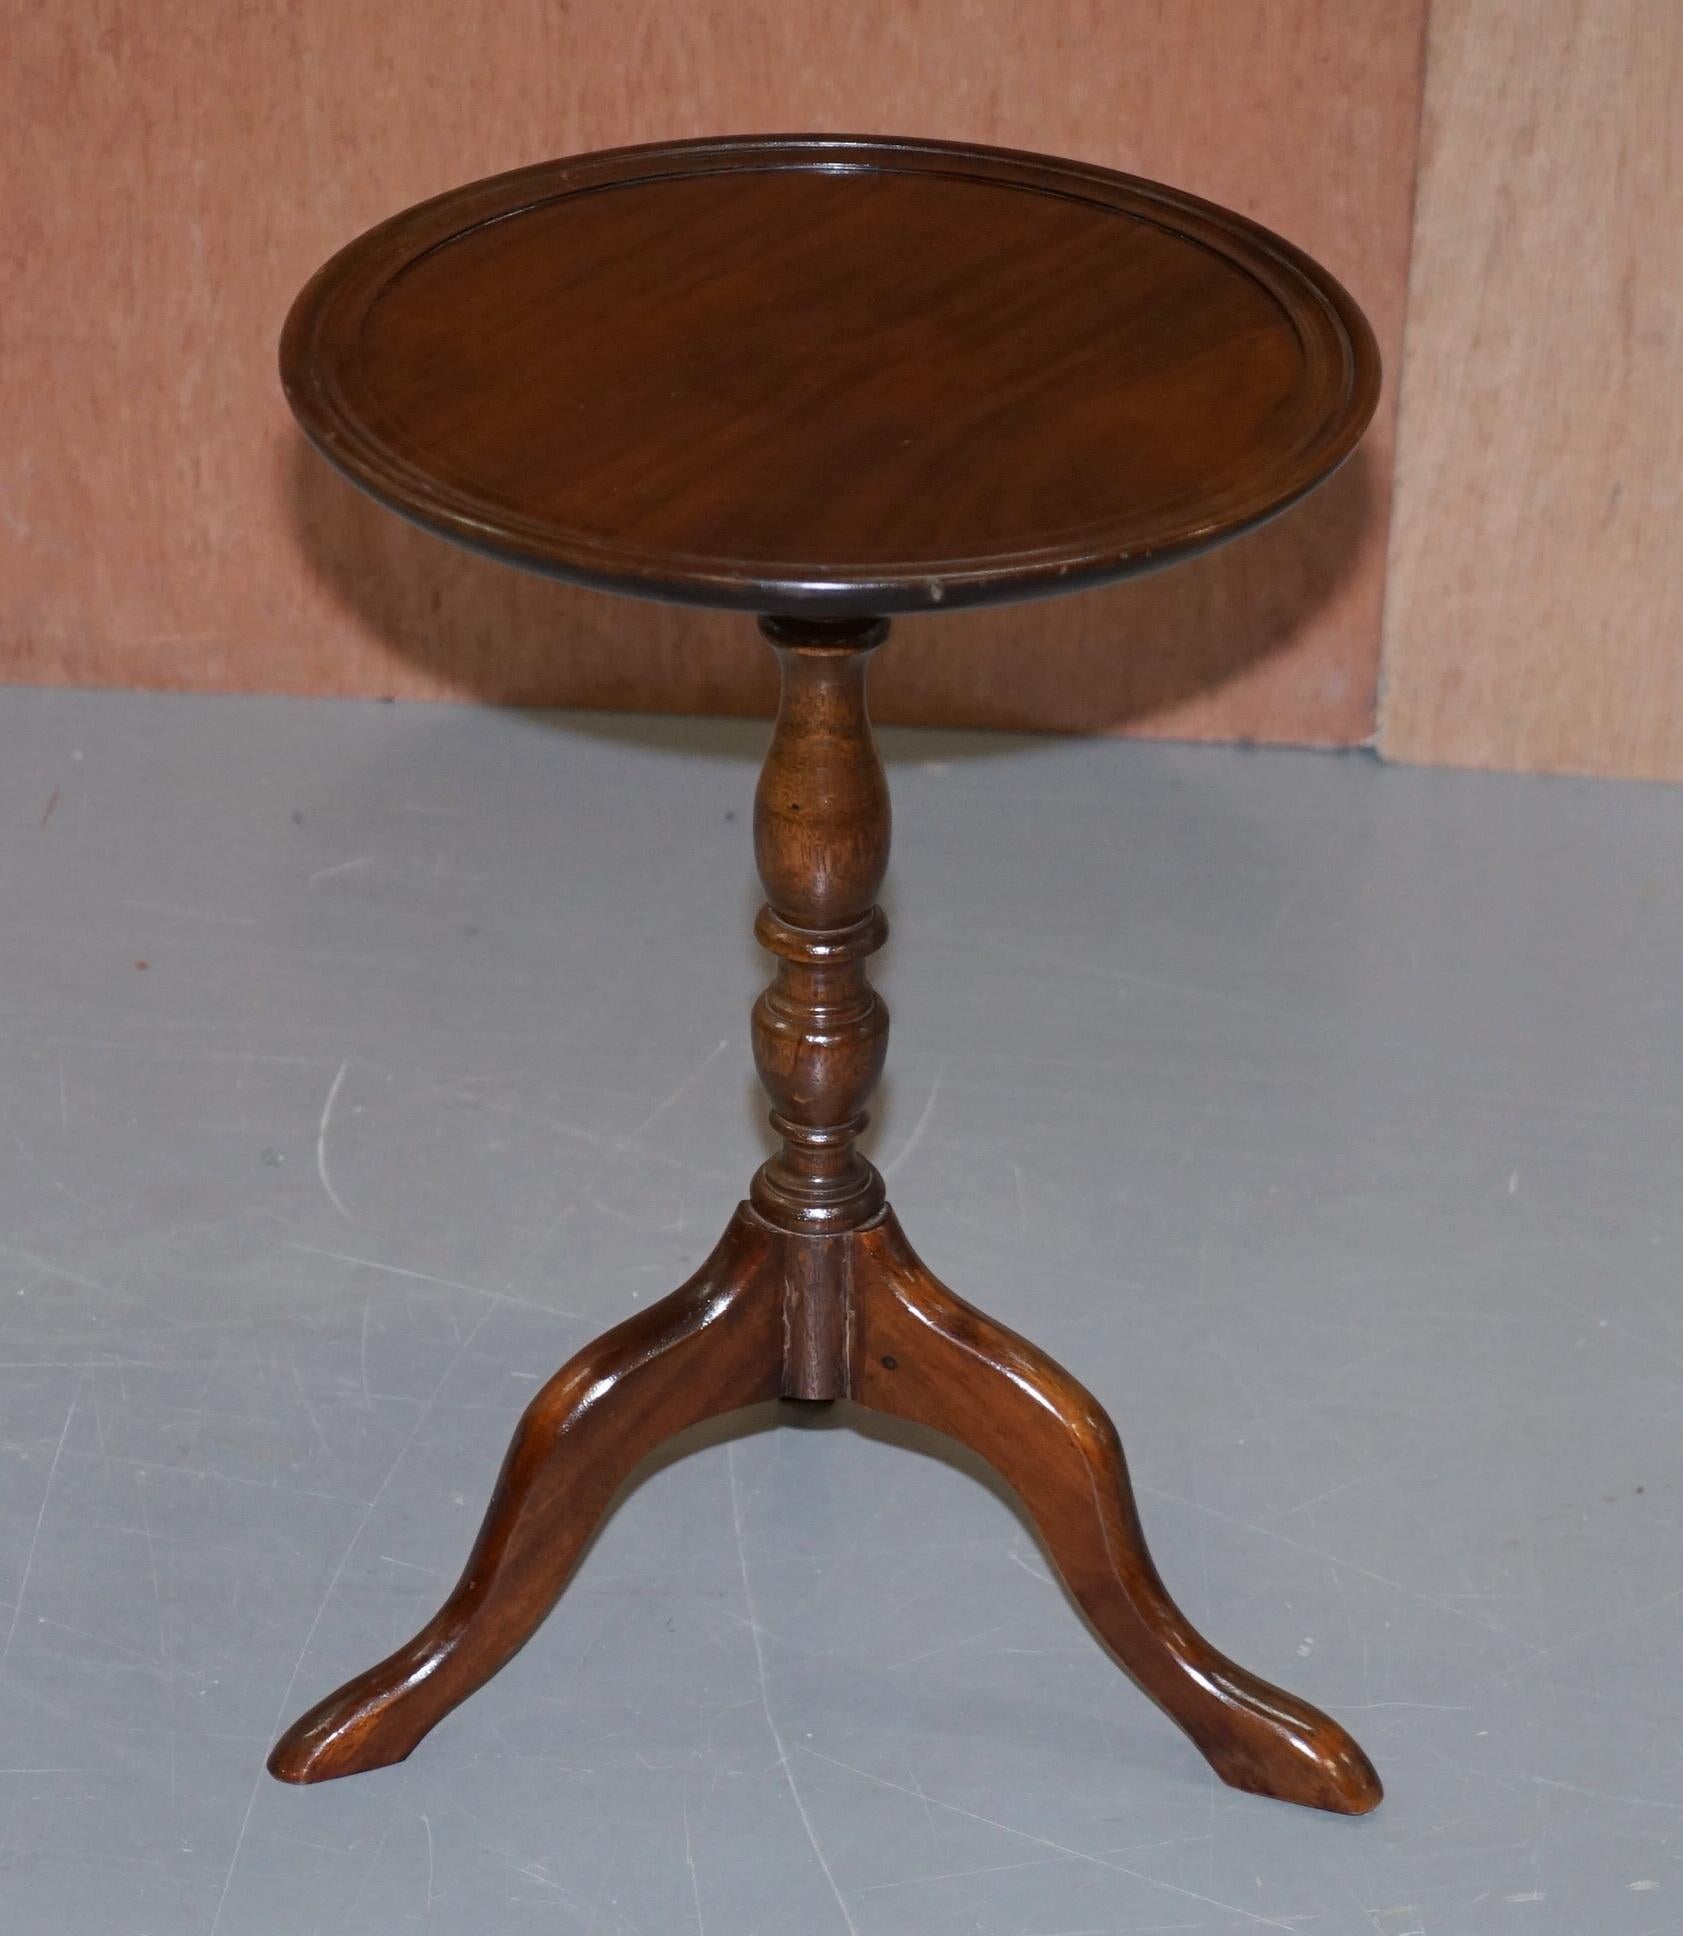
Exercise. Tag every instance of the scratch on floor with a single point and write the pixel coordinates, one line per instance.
(1602, 1794)
(689, 1860)
(947, 1646)
(340, 867)
(315, 1421)
(421, 1418)
(34, 1538)
(1316, 1552)
(157, 1592)
(619, 1147)
(623, 1143)
(757, 1631)
(917, 1129)
(1060, 1848)
(448, 1283)
(920, 1880)
(321, 1142)
(45, 1174)
(1033, 1572)
(362, 1355)
(47, 1268)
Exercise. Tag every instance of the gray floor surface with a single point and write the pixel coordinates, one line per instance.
(1324, 1118)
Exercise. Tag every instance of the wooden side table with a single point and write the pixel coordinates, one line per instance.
(827, 380)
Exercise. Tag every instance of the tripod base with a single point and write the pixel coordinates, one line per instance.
(854, 1314)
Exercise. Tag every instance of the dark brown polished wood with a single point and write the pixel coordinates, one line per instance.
(829, 376)
(813, 1292)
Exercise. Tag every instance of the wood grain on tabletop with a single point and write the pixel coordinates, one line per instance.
(830, 376)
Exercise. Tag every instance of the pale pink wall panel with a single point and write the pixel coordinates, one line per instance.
(180, 171)
(1535, 617)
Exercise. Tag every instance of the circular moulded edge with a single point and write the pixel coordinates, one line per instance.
(323, 327)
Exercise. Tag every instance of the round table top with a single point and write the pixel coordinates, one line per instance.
(829, 376)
